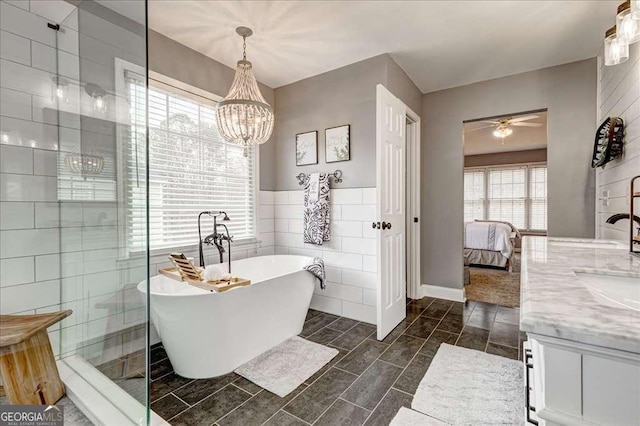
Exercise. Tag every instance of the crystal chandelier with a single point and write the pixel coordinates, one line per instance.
(244, 117)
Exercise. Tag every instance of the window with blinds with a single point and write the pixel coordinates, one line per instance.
(514, 194)
(474, 195)
(506, 195)
(538, 198)
(191, 169)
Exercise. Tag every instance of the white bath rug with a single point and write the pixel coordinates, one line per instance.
(283, 368)
(407, 417)
(463, 386)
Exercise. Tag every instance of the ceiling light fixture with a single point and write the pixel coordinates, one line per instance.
(502, 132)
(628, 22)
(244, 117)
(84, 164)
(616, 50)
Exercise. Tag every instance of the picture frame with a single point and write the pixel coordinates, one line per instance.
(307, 148)
(337, 144)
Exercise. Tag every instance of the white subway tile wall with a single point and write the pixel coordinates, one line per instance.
(350, 256)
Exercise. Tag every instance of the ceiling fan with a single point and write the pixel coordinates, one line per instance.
(503, 125)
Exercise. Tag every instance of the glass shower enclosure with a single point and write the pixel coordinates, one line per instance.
(74, 156)
(107, 342)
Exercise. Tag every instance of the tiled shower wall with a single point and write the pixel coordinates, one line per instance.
(57, 253)
(350, 256)
(619, 97)
(30, 276)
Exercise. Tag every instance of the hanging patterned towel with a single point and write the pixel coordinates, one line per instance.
(317, 209)
(316, 267)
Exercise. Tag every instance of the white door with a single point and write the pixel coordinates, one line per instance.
(391, 141)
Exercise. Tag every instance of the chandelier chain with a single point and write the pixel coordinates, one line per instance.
(244, 48)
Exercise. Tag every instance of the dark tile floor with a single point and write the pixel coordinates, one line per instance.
(366, 383)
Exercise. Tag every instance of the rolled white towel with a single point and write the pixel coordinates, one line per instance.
(212, 273)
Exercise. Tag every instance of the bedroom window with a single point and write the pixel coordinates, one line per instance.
(191, 169)
(516, 194)
(474, 195)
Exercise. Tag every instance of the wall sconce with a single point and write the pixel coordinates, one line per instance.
(99, 96)
(59, 89)
(616, 50)
(628, 22)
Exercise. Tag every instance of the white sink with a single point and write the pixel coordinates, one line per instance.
(594, 244)
(620, 291)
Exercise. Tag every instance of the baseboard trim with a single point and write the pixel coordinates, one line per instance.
(439, 292)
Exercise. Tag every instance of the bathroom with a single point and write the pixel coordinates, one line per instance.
(114, 171)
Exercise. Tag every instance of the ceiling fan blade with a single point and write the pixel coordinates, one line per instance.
(478, 128)
(527, 124)
(525, 118)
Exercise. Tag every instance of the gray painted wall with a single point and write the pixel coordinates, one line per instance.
(569, 93)
(175, 60)
(509, 157)
(343, 96)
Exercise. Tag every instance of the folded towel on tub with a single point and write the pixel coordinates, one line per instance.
(316, 267)
(317, 209)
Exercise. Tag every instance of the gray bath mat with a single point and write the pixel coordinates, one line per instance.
(407, 417)
(285, 367)
(463, 386)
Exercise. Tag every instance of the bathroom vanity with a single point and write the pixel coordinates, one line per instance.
(580, 309)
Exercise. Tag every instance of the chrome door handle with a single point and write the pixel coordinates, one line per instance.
(386, 225)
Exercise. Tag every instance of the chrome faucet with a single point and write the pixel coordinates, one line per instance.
(216, 239)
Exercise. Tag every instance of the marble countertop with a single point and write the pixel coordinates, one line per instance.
(556, 303)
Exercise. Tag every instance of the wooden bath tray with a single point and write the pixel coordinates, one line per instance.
(213, 286)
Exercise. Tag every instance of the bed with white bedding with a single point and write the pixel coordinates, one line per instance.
(489, 243)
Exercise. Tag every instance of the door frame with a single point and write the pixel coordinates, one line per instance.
(413, 187)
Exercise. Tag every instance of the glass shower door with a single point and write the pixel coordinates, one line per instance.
(102, 76)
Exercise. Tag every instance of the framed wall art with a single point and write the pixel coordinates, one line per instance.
(336, 144)
(307, 148)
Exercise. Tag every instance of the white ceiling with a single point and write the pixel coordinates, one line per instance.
(439, 44)
(482, 141)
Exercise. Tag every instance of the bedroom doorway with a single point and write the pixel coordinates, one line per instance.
(505, 197)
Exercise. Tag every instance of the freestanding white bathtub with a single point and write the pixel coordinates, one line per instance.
(209, 334)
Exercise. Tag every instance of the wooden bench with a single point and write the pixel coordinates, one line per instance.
(27, 366)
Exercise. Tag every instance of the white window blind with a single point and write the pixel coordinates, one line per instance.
(191, 169)
(474, 196)
(514, 194)
(506, 193)
(538, 198)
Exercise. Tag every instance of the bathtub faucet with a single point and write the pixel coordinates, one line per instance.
(215, 238)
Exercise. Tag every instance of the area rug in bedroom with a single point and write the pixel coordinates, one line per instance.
(494, 286)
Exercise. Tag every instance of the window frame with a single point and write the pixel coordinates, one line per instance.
(122, 108)
(527, 189)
